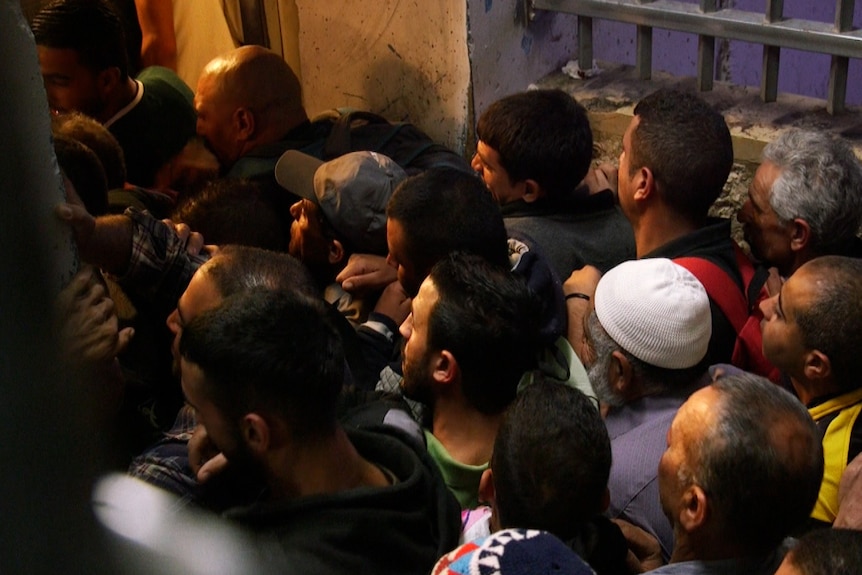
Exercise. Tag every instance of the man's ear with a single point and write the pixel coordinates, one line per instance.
(643, 184)
(108, 79)
(620, 374)
(256, 433)
(488, 496)
(244, 122)
(487, 490)
(800, 234)
(532, 191)
(445, 368)
(335, 253)
(695, 508)
(816, 365)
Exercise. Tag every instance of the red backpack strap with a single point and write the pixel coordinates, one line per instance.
(720, 288)
(746, 268)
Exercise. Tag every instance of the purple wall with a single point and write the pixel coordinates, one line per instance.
(804, 73)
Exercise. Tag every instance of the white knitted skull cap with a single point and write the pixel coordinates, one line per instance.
(657, 311)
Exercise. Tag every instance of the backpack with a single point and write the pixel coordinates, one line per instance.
(741, 309)
(407, 145)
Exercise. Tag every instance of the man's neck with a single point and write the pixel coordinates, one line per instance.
(320, 467)
(657, 227)
(809, 391)
(705, 547)
(466, 433)
(119, 99)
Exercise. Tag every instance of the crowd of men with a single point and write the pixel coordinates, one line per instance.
(524, 362)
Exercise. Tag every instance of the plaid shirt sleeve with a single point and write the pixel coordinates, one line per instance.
(166, 464)
(159, 267)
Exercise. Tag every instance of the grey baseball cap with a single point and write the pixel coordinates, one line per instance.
(352, 192)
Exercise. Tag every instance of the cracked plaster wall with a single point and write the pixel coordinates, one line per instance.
(404, 59)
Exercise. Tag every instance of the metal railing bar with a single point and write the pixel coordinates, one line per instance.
(774, 10)
(771, 55)
(844, 15)
(769, 76)
(806, 35)
(838, 70)
(705, 63)
(585, 42)
(837, 92)
(643, 66)
(706, 53)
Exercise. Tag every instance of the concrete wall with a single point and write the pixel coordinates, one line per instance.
(803, 73)
(405, 59)
(506, 56)
(432, 63)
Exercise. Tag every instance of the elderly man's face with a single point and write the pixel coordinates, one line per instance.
(768, 238)
(599, 369)
(678, 466)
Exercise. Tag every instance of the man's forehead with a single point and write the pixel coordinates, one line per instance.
(799, 290)
(211, 90)
(764, 178)
(59, 57)
(486, 152)
(426, 297)
(630, 130)
(202, 294)
(698, 410)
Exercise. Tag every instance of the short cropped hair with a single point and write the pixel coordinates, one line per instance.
(820, 181)
(92, 28)
(238, 268)
(443, 210)
(273, 352)
(765, 435)
(828, 552)
(234, 211)
(543, 135)
(551, 461)
(98, 138)
(832, 322)
(687, 146)
(488, 318)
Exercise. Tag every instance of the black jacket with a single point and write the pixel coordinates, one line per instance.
(400, 529)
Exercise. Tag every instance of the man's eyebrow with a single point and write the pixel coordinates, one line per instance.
(56, 76)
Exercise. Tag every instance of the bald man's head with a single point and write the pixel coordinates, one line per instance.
(247, 98)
